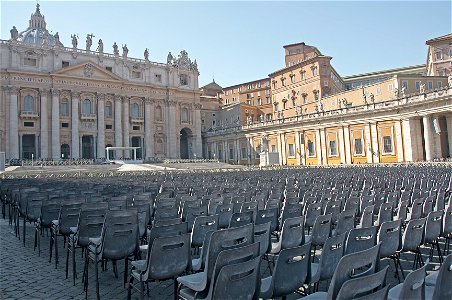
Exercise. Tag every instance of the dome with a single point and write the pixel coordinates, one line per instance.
(36, 33)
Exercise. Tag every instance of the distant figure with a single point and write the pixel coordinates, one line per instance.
(146, 54)
(169, 59)
(449, 79)
(14, 33)
(125, 51)
(403, 91)
(100, 46)
(57, 39)
(74, 41)
(422, 88)
(115, 49)
(372, 98)
(89, 41)
(45, 38)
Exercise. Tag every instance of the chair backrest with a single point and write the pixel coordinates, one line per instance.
(291, 269)
(168, 257)
(333, 208)
(224, 212)
(292, 233)
(389, 236)
(192, 213)
(165, 213)
(50, 210)
(167, 230)
(413, 234)
(363, 285)
(360, 239)
(232, 256)
(414, 285)
(367, 217)
(352, 266)
(442, 287)
(321, 230)
(201, 226)
(416, 209)
(120, 238)
(428, 205)
(90, 225)
(346, 222)
(34, 206)
(332, 252)
(238, 281)
(447, 221)
(381, 294)
(69, 214)
(433, 226)
(262, 234)
(385, 212)
(312, 212)
(268, 215)
(240, 219)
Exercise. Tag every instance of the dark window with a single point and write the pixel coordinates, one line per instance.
(65, 125)
(136, 128)
(108, 126)
(109, 69)
(64, 64)
(29, 124)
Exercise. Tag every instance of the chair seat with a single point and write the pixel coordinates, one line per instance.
(196, 282)
(189, 294)
(315, 273)
(430, 280)
(266, 288)
(315, 296)
(394, 293)
(429, 292)
(196, 264)
(139, 265)
(308, 239)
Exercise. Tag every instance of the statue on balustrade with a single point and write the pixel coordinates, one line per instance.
(125, 51)
(449, 78)
(422, 88)
(100, 46)
(14, 33)
(146, 54)
(115, 49)
(74, 41)
(89, 41)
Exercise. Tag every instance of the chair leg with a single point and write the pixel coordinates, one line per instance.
(24, 232)
(129, 288)
(126, 270)
(176, 289)
(36, 240)
(67, 261)
(74, 269)
(142, 289)
(396, 268)
(400, 265)
(96, 272)
(55, 235)
(438, 249)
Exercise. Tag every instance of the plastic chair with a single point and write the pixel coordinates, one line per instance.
(290, 272)
(385, 213)
(262, 234)
(438, 283)
(346, 222)
(372, 286)
(412, 288)
(224, 212)
(367, 217)
(268, 215)
(389, 236)
(321, 231)
(447, 229)
(201, 225)
(169, 257)
(312, 212)
(290, 210)
(360, 239)
(433, 228)
(292, 235)
(240, 219)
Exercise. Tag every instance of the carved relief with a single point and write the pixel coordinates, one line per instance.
(88, 70)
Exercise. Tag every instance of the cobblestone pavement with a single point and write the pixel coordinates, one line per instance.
(25, 275)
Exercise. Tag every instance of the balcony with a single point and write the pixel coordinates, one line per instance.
(29, 115)
(137, 120)
(88, 117)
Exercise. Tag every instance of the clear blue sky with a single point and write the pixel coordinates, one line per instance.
(242, 41)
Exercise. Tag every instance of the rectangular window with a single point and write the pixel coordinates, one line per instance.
(273, 148)
(243, 153)
(158, 77)
(358, 143)
(387, 144)
(258, 150)
(325, 83)
(29, 124)
(292, 79)
(439, 55)
(64, 125)
(418, 85)
(183, 79)
(109, 69)
(220, 154)
(378, 92)
(430, 85)
(231, 153)
(390, 87)
(405, 84)
(108, 126)
(314, 71)
(291, 150)
(333, 148)
(302, 75)
(135, 127)
(32, 62)
(259, 101)
(439, 85)
(275, 84)
(136, 74)
(311, 149)
(64, 109)
(64, 64)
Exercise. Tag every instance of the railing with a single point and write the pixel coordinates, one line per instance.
(88, 116)
(137, 119)
(29, 114)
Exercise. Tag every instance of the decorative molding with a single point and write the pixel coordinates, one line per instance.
(118, 98)
(197, 106)
(55, 92)
(43, 91)
(75, 94)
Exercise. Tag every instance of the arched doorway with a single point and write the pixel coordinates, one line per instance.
(185, 143)
(65, 151)
(111, 153)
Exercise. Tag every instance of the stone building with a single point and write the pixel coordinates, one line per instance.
(68, 102)
(321, 118)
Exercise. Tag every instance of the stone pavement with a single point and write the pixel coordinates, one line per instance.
(25, 275)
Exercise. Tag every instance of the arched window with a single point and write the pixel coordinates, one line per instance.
(64, 107)
(158, 113)
(29, 103)
(86, 107)
(135, 110)
(108, 109)
(184, 115)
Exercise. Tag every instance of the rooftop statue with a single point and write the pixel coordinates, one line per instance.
(146, 54)
(14, 33)
(100, 46)
(170, 58)
(115, 49)
(74, 41)
(89, 41)
(125, 51)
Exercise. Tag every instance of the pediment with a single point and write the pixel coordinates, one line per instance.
(87, 70)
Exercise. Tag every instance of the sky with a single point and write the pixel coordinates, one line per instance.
(237, 41)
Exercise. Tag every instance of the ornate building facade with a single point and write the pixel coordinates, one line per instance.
(66, 102)
(318, 117)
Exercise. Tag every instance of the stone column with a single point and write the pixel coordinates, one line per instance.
(44, 124)
(297, 147)
(437, 132)
(197, 121)
(13, 124)
(249, 150)
(406, 135)
(238, 151)
(118, 124)
(398, 141)
(324, 147)
(100, 126)
(428, 138)
(449, 133)
(375, 151)
(126, 125)
(279, 149)
(148, 122)
(348, 152)
(283, 149)
(318, 147)
(75, 144)
(56, 145)
(341, 144)
(171, 131)
(368, 143)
